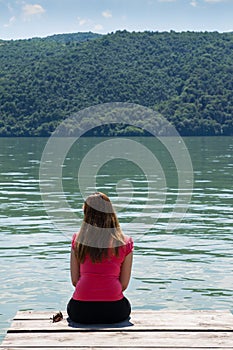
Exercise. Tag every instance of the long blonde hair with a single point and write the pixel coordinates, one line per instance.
(100, 232)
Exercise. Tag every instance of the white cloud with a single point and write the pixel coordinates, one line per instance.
(107, 14)
(167, 0)
(214, 1)
(31, 10)
(10, 22)
(10, 8)
(89, 24)
(83, 21)
(194, 3)
(98, 27)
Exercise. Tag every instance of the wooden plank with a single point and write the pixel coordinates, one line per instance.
(111, 348)
(152, 320)
(183, 329)
(121, 339)
(47, 314)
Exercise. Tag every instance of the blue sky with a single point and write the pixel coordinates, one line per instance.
(27, 18)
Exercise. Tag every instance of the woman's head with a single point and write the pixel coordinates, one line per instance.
(100, 230)
(99, 212)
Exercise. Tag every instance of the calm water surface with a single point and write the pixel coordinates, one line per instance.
(188, 268)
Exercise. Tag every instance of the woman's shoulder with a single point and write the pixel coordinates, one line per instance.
(127, 239)
(129, 244)
(74, 239)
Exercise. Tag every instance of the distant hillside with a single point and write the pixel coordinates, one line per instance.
(72, 37)
(187, 76)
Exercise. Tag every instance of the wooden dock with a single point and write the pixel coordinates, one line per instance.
(145, 330)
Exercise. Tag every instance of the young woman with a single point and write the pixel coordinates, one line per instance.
(100, 265)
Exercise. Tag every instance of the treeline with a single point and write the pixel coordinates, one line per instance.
(187, 77)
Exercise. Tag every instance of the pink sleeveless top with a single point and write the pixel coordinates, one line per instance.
(100, 281)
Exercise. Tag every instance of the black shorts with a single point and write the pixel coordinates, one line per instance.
(98, 311)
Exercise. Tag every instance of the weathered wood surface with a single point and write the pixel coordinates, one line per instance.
(151, 320)
(146, 329)
(122, 339)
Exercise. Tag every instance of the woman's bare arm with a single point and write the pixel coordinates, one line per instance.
(125, 273)
(74, 268)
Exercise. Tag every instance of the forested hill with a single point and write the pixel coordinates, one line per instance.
(188, 77)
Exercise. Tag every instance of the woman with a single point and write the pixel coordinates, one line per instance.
(100, 265)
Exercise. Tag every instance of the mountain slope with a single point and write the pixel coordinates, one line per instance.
(188, 77)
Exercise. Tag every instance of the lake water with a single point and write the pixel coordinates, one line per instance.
(189, 267)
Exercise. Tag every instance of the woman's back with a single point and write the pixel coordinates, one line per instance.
(100, 265)
(100, 281)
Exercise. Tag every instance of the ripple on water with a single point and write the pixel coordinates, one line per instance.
(190, 267)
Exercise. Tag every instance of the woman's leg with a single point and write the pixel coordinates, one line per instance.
(116, 311)
(98, 312)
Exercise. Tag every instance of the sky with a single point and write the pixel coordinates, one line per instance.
(20, 19)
